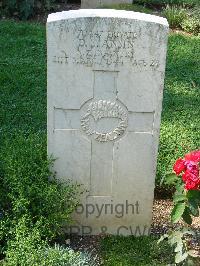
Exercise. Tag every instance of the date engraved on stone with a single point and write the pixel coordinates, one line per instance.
(62, 58)
(102, 109)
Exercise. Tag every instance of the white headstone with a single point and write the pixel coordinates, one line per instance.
(99, 3)
(105, 86)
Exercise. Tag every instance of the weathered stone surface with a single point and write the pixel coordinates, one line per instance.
(99, 3)
(105, 85)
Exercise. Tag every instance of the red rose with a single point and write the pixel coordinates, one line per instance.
(189, 167)
(190, 185)
(192, 167)
(193, 156)
(191, 175)
(179, 166)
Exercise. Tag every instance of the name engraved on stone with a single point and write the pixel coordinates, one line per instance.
(108, 40)
(104, 109)
(104, 48)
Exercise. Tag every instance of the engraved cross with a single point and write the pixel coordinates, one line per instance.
(103, 120)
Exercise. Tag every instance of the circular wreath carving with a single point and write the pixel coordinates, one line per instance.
(105, 109)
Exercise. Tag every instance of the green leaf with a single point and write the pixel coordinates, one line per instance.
(186, 216)
(179, 197)
(175, 237)
(193, 206)
(177, 212)
(180, 187)
(171, 179)
(194, 194)
(180, 257)
(179, 247)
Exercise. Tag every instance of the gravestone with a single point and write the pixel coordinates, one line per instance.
(99, 3)
(105, 84)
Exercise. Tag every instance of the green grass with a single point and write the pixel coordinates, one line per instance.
(23, 91)
(131, 251)
(180, 125)
(22, 78)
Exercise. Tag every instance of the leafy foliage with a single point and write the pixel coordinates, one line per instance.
(27, 188)
(186, 204)
(185, 19)
(28, 248)
(163, 3)
(175, 16)
(25, 8)
(178, 211)
(192, 22)
(177, 239)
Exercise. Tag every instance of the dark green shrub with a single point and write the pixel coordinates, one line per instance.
(28, 248)
(25, 8)
(163, 3)
(191, 25)
(185, 19)
(192, 22)
(29, 189)
(175, 16)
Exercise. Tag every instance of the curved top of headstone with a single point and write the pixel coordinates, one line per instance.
(106, 13)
